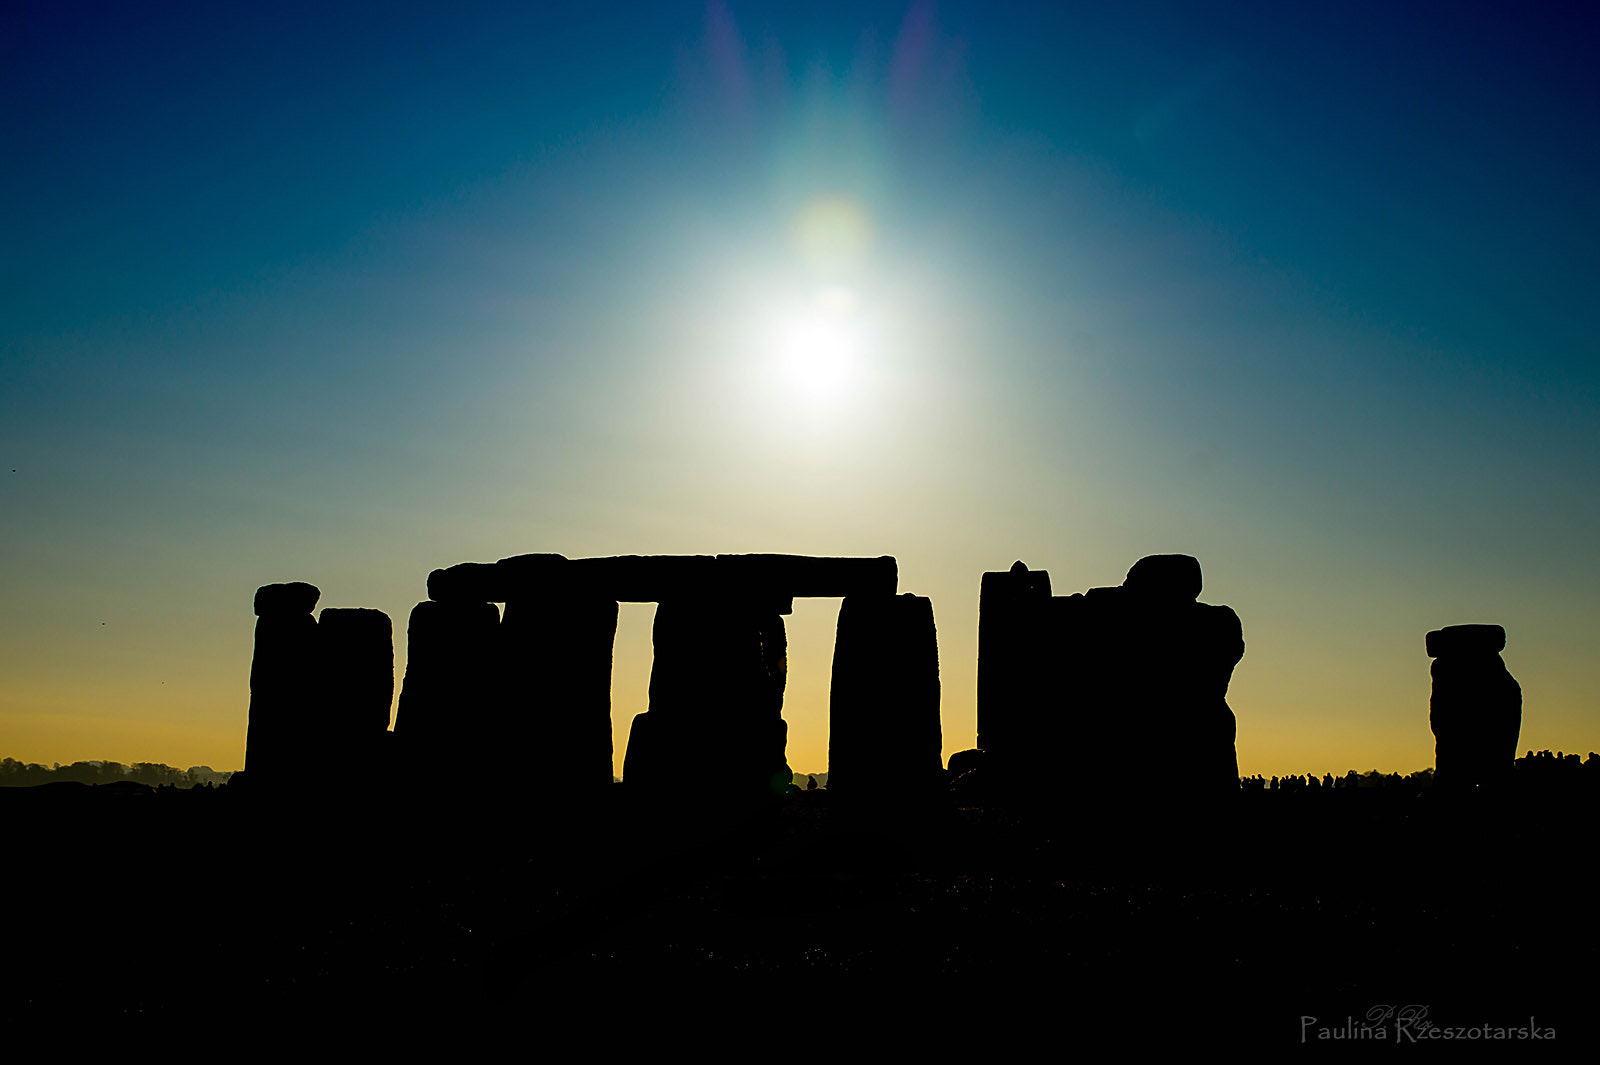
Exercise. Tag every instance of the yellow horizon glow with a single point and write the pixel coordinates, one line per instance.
(122, 712)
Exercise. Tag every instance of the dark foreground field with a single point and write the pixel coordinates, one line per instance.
(813, 927)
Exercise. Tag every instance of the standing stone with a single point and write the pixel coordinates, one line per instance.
(557, 657)
(714, 731)
(1187, 698)
(357, 684)
(1160, 720)
(451, 692)
(1112, 696)
(1476, 706)
(282, 682)
(1013, 676)
(884, 734)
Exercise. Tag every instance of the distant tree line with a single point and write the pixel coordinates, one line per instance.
(1421, 780)
(14, 774)
(1531, 768)
(1541, 768)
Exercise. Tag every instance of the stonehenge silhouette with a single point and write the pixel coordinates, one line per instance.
(1070, 687)
(537, 677)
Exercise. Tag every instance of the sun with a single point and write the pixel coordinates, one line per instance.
(820, 347)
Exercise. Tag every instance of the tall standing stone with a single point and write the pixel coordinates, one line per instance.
(884, 733)
(445, 722)
(557, 657)
(1013, 673)
(1187, 669)
(357, 683)
(1476, 706)
(714, 730)
(283, 675)
(1159, 723)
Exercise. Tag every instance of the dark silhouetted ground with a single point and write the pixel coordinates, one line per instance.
(957, 927)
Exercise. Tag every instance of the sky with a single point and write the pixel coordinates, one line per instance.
(294, 292)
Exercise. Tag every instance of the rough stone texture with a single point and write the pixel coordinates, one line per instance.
(1476, 707)
(296, 597)
(1013, 678)
(283, 684)
(884, 735)
(451, 689)
(557, 654)
(356, 686)
(714, 731)
(1175, 577)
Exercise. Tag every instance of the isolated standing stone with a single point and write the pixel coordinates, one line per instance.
(884, 733)
(1476, 706)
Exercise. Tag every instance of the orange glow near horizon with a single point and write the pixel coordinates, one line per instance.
(116, 711)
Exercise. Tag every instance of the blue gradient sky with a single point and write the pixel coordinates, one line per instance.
(1307, 292)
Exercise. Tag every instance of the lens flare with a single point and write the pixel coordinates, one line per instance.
(833, 234)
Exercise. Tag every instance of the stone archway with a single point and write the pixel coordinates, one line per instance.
(538, 677)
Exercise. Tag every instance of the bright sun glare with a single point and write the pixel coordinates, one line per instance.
(822, 343)
(821, 346)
